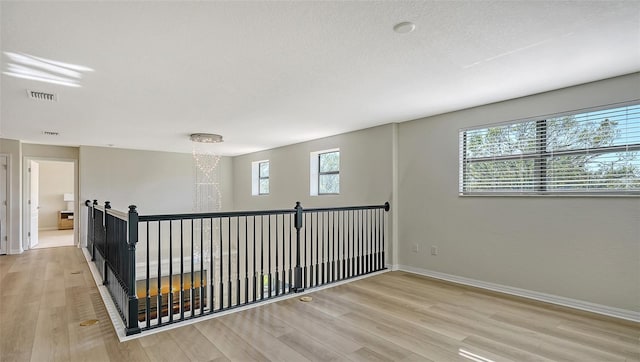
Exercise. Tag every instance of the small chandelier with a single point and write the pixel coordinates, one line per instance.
(206, 138)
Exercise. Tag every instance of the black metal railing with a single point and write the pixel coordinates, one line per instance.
(161, 269)
(112, 245)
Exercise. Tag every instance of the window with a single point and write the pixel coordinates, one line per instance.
(596, 151)
(329, 173)
(325, 172)
(263, 178)
(260, 178)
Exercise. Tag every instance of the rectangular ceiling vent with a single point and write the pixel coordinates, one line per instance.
(42, 96)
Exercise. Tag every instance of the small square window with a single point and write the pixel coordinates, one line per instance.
(260, 178)
(329, 173)
(263, 178)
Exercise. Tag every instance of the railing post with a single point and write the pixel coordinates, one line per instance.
(107, 206)
(93, 229)
(297, 287)
(87, 203)
(132, 318)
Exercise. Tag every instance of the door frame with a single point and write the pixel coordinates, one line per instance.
(26, 192)
(7, 223)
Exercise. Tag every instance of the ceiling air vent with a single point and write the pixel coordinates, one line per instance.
(42, 96)
(50, 133)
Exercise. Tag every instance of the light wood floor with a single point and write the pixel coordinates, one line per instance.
(46, 293)
(54, 238)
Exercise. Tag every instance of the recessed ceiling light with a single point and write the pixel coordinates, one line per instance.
(404, 27)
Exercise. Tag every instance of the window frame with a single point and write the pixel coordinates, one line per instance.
(314, 171)
(541, 156)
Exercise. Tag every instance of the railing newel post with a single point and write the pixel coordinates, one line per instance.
(298, 271)
(89, 206)
(132, 317)
(107, 206)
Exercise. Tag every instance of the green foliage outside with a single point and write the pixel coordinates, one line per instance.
(618, 169)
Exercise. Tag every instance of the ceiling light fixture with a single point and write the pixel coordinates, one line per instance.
(404, 27)
(206, 138)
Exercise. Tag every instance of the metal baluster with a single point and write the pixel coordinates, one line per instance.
(305, 276)
(277, 283)
(360, 242)
(202, 287)
(237, 260)
(322, 247)
(269, 260)
(291, 224)
(254, 259)
(261, 257)
(333, 247)
(148, 289)
(221, 265)
(191, 290)
(159, 278)
(170, 302)
(283, 276)
(229, 265)
(181, 269)
(246, 260)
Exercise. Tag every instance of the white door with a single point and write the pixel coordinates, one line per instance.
(4, 182)
(34, 205)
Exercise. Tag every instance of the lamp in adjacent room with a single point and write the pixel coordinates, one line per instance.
(68, 198)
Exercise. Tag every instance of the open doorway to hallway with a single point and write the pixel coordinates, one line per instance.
(49, 187)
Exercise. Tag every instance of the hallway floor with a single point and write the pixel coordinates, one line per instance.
(54, 238)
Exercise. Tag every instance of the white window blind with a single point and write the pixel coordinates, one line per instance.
(595, 151)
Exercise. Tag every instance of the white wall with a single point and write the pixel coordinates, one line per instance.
(365, 172)
(14, 216)
(18, 153)
(366, 159)
(56, 179)
(156, 182)
(585, 248)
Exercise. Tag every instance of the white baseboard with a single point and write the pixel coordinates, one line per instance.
(549, 298)
(16, 251)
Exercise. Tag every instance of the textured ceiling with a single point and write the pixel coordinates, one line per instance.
(265, 74)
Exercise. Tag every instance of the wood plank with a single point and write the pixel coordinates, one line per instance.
(396, 316)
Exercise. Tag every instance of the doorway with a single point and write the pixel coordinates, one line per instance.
(49, 188)
(4, 193)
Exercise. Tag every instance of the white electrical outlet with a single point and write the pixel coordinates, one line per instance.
(434, 250)
(415, 248)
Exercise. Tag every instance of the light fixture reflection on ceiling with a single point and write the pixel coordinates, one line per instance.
(404, 27)
(27, 66)
(206, 138)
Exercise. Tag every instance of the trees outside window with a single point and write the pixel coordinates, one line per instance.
(589, 152)
(263, 178)
(329, 173)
